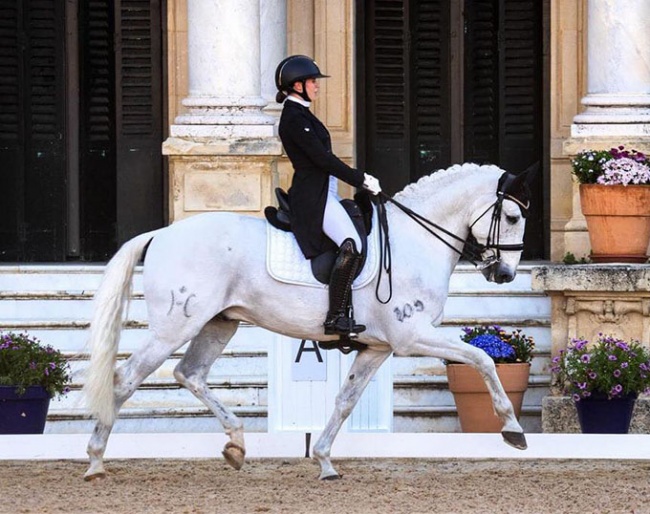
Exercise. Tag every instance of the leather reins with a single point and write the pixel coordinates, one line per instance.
(471, 247)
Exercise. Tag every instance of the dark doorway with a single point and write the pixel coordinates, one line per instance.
(81, 106)
(449, 81)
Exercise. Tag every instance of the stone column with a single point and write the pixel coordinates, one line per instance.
(222, 150)
(224, 72)
(618, 71)
(617, 104)
(273, 31)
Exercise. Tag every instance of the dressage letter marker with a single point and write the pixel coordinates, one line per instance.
(309, 363)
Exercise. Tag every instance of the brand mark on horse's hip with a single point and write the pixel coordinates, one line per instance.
(180, 302)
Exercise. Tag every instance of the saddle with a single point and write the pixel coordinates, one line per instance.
(360, 212)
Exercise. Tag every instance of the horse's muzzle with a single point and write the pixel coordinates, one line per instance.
(499, 273)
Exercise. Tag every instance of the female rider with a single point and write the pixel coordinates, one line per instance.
(316, 214)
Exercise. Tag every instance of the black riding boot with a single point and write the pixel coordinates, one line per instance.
(345, 268)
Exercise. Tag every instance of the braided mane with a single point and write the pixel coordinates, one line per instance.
(428, 185)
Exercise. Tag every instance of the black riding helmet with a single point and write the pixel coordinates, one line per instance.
(295, 68)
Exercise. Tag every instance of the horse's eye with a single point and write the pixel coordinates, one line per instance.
(512, 219)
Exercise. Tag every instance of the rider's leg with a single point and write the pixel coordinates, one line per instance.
(339, 228)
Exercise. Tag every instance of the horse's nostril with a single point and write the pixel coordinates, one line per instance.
(504, 277)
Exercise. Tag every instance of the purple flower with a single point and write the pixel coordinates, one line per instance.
(612, 357)
(617, 373)
(586, 358)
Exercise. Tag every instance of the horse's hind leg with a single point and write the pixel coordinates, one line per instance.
(192, 373)
(364, 367)
(128, 378)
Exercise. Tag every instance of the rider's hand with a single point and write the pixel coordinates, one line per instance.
(371, 184)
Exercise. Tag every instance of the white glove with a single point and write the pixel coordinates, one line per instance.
(371, 184)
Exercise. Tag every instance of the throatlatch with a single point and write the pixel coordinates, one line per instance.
(340, 318)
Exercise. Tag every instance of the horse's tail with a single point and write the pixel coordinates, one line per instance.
(106, 325)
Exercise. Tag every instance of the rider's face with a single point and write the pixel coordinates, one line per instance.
(311, 87)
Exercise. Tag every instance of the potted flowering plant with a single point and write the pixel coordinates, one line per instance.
(30, 375)
(604, 379)
(512, 353)
(615, 200)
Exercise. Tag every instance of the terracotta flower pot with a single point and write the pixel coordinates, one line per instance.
(473, 402)
(618, 221)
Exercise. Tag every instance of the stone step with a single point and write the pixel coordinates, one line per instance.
(53, 303)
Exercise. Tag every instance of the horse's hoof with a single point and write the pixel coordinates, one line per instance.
(515, 439)
(234, 455)
(95, 477)
(335, 476)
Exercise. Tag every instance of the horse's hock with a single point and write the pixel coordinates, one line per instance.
(588, 299)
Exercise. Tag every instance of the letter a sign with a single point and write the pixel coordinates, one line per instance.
(309, 362)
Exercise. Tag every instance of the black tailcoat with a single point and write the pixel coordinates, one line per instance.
(309, 147)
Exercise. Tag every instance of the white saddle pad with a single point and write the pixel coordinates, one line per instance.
(286, 263)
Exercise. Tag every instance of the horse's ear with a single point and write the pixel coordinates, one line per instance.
(530, 173)
(516, 184)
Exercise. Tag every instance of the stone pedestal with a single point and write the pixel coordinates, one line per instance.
(222, 150)
(587, 300)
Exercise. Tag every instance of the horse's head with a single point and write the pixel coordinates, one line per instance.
(498, 228)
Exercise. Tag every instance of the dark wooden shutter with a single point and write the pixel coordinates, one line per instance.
(11, 155)
(481, 78)
(31, 130)
(431, 108)
(522, 140)
(503, 93)
(97, 131)
(406, 80)
(387, 110)
(521, 70)
(139, 117)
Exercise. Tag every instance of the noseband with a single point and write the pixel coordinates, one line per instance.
(494, 232)
(472, 250)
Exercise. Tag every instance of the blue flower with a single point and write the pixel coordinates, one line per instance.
(493, 346)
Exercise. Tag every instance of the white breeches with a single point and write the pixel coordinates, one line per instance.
(337, 224)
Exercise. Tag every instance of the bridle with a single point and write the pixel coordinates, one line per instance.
(471, 250)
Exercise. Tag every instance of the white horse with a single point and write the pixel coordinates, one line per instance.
(213, 266)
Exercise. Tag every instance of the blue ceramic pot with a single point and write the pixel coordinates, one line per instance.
(598, 415)
(24, 414)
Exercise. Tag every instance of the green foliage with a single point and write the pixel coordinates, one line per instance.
(607, 367)
(570, 258)
(588, 165)
(25, 362)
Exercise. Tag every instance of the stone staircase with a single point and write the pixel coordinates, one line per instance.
(53, 303)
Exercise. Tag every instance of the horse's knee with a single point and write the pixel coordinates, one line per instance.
(179, 374)
(184, 377)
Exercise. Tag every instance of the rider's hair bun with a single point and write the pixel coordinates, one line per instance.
(280, 97)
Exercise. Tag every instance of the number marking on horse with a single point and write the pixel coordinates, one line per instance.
(408, 310)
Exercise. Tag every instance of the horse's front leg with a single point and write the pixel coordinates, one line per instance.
(465, 353)
(364, 367)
